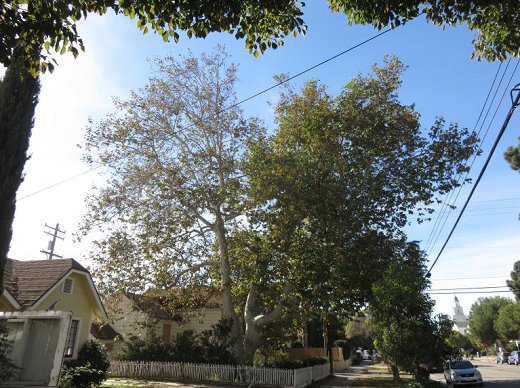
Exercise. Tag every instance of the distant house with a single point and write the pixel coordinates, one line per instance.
(54, 285)
(144, 316)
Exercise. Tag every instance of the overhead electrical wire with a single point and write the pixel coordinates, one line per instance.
(471, 278)
(466, 288)
(475, 156)
(446, 200)
(446, 207)
(244, 100)
(514, 103)
(58, 183)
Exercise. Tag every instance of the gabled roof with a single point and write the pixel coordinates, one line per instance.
(28, 281)
(103, 332)
(169, 304)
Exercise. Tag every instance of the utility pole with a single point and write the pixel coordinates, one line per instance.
(50, 246)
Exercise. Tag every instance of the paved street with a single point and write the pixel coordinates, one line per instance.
(494, 375)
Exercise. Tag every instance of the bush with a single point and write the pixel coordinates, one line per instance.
(7, 367)
(297, 364)
(89, 369)
(424, 384)
(211, 346)
(81, 377)
(296, 344)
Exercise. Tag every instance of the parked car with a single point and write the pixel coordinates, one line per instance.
(502, 357)
(514, 358)
(462, 372)
(366, 355)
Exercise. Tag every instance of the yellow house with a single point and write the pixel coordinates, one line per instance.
(54, 285)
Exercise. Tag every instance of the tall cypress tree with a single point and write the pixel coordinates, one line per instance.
(18, 98)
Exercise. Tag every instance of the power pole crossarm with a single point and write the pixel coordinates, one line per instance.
(52, 243)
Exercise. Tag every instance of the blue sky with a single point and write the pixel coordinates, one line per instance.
(441, 79)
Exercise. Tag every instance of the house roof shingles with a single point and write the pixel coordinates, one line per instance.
(28, 281)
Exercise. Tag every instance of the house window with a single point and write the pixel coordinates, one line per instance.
(71, 338)
(68, 286)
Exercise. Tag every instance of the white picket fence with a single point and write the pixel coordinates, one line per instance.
(297, 378)
(224, 373)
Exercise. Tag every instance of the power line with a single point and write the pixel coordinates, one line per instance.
(447, 198)
(307, 70)
(57, 184)
(514, 104)
(244, 100)
(471, 278)
(482, 142)
(466, 288)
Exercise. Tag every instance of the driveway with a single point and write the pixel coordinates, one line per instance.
(494, 375)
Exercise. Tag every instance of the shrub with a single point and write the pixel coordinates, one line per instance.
(211, 346)
(81, 377)
(296, 344)
(297, 364)
(7, 367)
(89, 369)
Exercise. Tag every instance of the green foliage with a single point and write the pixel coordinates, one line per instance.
(482, 317)
(334, 188)
(52, 26)
(25, 31)
(497, 23)
(512, 156)
(297, 364)
(360, 333)
(296, 344)
(405, 331)
(89, 369)
(81, 377)
(18, 99)
(7, 367)
(514, 283)
(213, 346)
(94, 354)
(507, 323)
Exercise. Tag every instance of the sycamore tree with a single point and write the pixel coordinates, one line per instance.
(299, 222)
(406, 333)
(340, 178)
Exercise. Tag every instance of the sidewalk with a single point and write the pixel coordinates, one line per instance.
(346, 377)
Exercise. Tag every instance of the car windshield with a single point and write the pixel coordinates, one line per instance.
(505, 354)
(461, 365)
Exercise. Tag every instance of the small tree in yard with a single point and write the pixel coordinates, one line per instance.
(405, 331)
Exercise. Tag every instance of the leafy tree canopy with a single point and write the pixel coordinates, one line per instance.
(514, 283)
(301, 221)
(482, 316)
(497, 22)
(26, 27)
(405, 331)
(507, 323)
